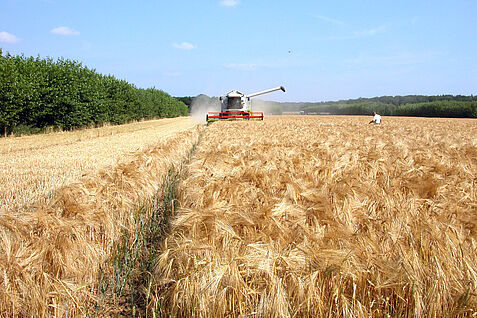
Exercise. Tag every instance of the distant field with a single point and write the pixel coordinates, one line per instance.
(317, 216)
(33, 166)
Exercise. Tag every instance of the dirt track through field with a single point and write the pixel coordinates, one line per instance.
(34, 166)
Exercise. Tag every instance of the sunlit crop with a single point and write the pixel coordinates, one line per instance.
(326, 217)
(289, 217)
(51, 252)
(32, 167)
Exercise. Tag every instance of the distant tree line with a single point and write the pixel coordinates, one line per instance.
(438, 108)
(187, 100)
(40, 92)
(411, 105)
(408, 99)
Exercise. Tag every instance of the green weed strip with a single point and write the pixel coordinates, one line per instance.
(126, 283)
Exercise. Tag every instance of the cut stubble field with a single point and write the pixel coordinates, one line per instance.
(98, 185)
(293, 216)
(32, 167)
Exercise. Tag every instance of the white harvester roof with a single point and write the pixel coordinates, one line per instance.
(235, 93)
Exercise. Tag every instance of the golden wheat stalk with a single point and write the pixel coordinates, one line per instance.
(50, 256)
(33, 167)
(326, 216)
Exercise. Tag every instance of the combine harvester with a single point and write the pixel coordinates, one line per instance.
(236, 105)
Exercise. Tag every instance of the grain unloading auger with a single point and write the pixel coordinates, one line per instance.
(236, 105)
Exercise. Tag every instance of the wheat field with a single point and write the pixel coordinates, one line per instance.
(32, 167)
(297, 216)
(326, 217)
(51, 251)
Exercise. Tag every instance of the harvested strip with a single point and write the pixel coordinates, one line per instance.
(49, 257)
(32, 167)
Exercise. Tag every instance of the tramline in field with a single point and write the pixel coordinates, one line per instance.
(236, 105)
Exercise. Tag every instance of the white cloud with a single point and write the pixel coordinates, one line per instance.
(327, 19)
(242, 66)
(184, 46)
(6, 37)
(359, 34)
(229, 3)
(62, 30)
(398, 59)
(270, 63)
(370, 32)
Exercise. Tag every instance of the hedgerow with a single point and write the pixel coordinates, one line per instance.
(42, 92)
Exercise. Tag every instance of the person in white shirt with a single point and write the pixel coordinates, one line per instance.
(376, 119)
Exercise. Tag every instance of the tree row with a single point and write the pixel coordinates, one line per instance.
(438, 108)
(41, 92)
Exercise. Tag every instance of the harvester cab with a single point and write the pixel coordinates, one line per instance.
(236, 105)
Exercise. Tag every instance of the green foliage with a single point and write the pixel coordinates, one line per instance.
(430, 106)
(459, 109)
(186, 100)
(38, 93)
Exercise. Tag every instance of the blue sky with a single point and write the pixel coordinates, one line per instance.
(318, 50)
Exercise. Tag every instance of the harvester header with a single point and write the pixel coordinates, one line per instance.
(236, 105)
